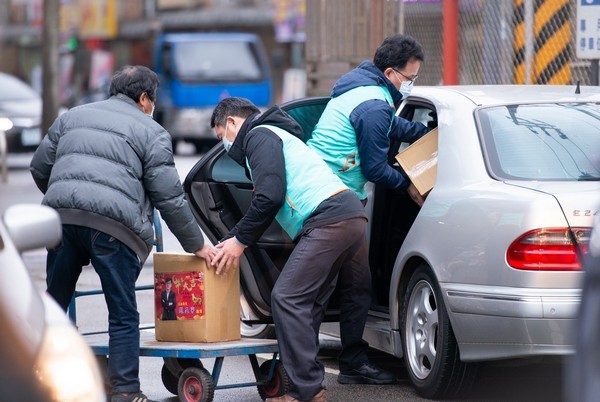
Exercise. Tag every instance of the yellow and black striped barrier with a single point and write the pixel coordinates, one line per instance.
(545, 57)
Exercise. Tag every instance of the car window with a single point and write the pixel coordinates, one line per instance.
(425, 115)
(306, 113)
(13, 89)
(205, 61)
(226, 170)
(542, 141)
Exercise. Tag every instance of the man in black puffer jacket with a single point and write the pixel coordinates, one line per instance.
(104, 166)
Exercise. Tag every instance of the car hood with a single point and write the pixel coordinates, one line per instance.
(579, 201)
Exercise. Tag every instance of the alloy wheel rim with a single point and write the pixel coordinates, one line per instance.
(422, 326)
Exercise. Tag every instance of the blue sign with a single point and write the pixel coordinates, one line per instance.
(588, 29)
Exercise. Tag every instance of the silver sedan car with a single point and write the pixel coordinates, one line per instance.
(489, 267)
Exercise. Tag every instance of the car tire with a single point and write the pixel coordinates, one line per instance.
(258, 331)
(431, 353)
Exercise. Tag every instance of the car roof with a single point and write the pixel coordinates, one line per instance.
(486, 95)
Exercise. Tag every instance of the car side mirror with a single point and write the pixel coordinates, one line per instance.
(33, 226)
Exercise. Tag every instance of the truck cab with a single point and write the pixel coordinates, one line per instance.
(197, 70)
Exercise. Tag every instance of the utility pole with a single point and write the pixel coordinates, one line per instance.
(450, 45)
(50, 73)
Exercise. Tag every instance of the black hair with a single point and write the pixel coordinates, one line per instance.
(396, 51)
(168, 279)
(133, 81)
(239, 107)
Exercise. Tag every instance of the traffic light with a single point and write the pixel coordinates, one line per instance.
(72, 44)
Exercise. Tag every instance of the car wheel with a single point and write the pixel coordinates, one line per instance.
(431, 353)
(260, 331)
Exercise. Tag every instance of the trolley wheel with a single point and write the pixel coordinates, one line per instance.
(172, 369)
(196, 385)
(176, 365)
(279, 383)
(169, 380)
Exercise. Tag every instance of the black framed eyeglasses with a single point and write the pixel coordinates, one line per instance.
(411, 80)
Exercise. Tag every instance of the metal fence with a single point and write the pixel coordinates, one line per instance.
(503, 41)
(500, 41)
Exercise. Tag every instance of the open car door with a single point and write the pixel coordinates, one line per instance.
(219, 194)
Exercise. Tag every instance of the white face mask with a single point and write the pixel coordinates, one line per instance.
(405, 88)
(151, 114)
(226, 143)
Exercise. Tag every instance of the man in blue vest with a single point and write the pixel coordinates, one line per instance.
(353, 137)
(324, 218)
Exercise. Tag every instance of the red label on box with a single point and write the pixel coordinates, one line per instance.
(179, 295)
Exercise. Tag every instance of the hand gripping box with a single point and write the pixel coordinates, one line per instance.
(192, 303)
(419, 161)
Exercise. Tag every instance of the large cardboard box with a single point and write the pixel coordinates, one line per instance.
(419, 161)
(201, 306)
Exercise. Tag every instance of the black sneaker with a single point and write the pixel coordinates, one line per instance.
(131, 397)
(367, 374)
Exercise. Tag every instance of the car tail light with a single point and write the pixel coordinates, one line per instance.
(549, 249)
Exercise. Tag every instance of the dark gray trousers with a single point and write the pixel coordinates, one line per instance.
(301, 293)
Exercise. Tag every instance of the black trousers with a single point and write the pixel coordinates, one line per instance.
(299, 299)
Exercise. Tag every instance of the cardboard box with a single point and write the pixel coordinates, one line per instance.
(419, 161)
(205, 306)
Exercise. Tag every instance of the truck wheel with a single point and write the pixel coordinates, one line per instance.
(431, 353)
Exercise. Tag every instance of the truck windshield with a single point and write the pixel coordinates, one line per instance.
(216, 61)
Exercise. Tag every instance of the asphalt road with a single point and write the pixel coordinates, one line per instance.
(506, 381)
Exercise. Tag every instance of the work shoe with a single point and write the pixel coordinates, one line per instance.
(320, 397)
(130, 397)
(367, 374)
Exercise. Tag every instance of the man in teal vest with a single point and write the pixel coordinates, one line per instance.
(353, 137)
(353, 133)
(324, 218)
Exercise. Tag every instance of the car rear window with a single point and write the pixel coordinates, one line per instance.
(558, 141)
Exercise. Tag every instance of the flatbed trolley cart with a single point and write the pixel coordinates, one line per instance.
(183, 373)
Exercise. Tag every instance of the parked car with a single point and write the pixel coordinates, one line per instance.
(489, 267)
(42, 356)
(20, 114)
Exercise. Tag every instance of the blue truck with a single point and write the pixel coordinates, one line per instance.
(197, 70)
